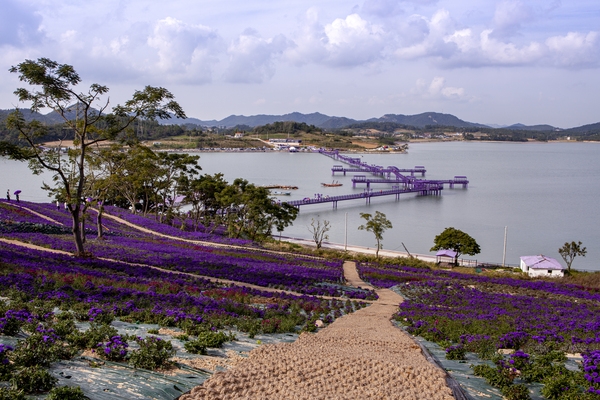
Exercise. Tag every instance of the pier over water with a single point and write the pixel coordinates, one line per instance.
(383, 175)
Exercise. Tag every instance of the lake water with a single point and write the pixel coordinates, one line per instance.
(545, 193)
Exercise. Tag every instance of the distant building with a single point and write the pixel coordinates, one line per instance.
(542, 266)
(285, 143)
(238, 135)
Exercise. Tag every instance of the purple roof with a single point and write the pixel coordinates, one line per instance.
(446, 253)
(541, 262)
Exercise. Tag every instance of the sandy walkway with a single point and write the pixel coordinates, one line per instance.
(359, 356)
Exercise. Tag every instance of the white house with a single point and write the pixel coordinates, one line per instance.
(541, 266)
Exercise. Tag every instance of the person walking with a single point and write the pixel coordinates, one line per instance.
(57, 205)
(7, 194)
(17, 195)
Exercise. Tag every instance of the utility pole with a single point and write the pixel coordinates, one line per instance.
(504, 253)
(346, 232)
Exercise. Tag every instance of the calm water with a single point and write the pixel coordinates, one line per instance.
(546, 194)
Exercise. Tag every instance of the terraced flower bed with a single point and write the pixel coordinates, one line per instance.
(58, 312)
(261, 268)
(534, 323)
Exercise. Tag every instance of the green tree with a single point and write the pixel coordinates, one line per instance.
(571, 250)
(377, 225)
(457, 240)
(319, 231)
(251, 213)
(85, 116)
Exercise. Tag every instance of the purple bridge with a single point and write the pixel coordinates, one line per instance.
(390, 175)
(376, 170)
(422, 189)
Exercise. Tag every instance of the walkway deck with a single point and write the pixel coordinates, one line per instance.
(423, 189)
(390, 175)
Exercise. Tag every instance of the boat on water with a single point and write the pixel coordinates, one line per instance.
(287, 187)
(332, 184)
(280, 193)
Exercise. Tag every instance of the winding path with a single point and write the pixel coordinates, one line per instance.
(359, 356)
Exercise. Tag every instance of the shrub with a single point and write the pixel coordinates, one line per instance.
(207, 339)
(89, 339)
(249, 325)
(561, 386)
(516, 392)
(5, 365)
(66, 393)
(154, 353)
(494, 376)
(40, 349)
(33, 379)
(64, 327)
(100, 316)
(11, 394)
(113, 350)
(456, 352)
(12, 321)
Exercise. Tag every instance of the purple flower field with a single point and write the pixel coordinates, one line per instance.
(123, 243)
(481, 314)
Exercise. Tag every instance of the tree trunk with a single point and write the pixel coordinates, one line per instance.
(77, 235)
(99, 222)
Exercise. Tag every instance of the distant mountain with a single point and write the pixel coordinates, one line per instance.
(428, 118)
(255, 120)
(51, 118)
(327, 122)
(338, 122)
(585, 129)
(532, 127)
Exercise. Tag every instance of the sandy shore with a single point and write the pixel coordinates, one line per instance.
(359, 356)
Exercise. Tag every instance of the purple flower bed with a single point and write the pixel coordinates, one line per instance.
(268, 269)
(103, 286)
(539, 321)
(150, 223)
(511, 311)
(10, 213)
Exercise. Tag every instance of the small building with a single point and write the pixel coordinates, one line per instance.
(542, 266)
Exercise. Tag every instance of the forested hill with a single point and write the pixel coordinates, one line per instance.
(387, 124)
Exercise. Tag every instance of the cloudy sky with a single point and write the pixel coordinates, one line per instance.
(486, 61)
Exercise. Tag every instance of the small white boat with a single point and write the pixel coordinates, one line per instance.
(280, 193)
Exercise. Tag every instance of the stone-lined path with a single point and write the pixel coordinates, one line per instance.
(359, 356)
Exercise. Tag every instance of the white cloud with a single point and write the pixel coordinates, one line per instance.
(442, 39)
(437, 89)
(575, 49)
(252, 57)
(509, 16)
(184, 50)
(346, 42)
(432, 43)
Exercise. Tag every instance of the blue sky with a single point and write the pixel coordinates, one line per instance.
(497, 62)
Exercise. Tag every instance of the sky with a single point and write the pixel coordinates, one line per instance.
(492, 62)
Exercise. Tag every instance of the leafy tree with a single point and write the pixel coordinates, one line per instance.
(457, 240)
(377, 225)
(251, 213)
(85, 116)
(571, 250)
(319, 231)
(201, 193)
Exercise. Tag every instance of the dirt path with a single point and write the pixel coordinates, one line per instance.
(359, 356)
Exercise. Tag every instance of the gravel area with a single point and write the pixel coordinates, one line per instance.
(359, 356)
